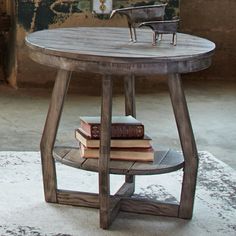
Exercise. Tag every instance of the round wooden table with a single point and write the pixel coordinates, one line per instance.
(107, 51)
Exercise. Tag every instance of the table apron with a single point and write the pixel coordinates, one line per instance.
(113, 68)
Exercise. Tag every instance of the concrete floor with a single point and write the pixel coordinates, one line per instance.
(212, 105)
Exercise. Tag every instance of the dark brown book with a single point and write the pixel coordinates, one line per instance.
(88, 142)
(122, 127)
(125, 154)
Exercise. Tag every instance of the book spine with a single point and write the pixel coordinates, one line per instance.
(122, 131)
(119, 131)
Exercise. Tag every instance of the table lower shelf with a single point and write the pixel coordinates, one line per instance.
(164, 162)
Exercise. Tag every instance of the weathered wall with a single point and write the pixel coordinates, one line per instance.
(215, 20)
(33, 15)
(212, 19)
(5, 25)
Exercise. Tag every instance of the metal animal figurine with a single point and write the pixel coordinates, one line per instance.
(137, 15)
(162, 27)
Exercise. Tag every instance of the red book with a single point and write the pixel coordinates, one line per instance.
(88, 142)
(121, 127)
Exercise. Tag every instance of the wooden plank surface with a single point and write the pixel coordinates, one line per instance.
(113, 43)
(61, 152)
(164, 162)
(71, 158)
(108, 51)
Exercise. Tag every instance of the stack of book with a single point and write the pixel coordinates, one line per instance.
(128, 140)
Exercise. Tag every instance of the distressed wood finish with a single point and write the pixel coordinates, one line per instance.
(149, 207)
(49, 135)
(119, 202)
(104, 159)
(130, 109)
(164, 162)
(129, 87)
(78, 198)
(115, 209)
(127, 190)
(107, 52)
(188, 146)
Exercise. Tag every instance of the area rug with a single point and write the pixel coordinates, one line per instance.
(23, 210)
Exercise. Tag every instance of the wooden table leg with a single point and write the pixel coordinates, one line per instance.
(129, 87)
(130, 109)
(188, 146)
(104, 159)
(49, 134)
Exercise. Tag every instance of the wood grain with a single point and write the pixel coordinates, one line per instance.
(188, 145)
(150, 207)
(88, 43)
(114, 208)
(126, 190)
(108, 51)
(164, 162)
(50, 132)
(104, 158)
(78, 198)
(129, 88)
(130, 109)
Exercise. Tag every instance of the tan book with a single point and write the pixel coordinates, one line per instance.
(88, 142)
(121, 127)
(134, 154)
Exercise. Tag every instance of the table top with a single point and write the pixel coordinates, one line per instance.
(109, 48)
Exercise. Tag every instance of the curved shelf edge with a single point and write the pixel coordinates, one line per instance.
(164, 162)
